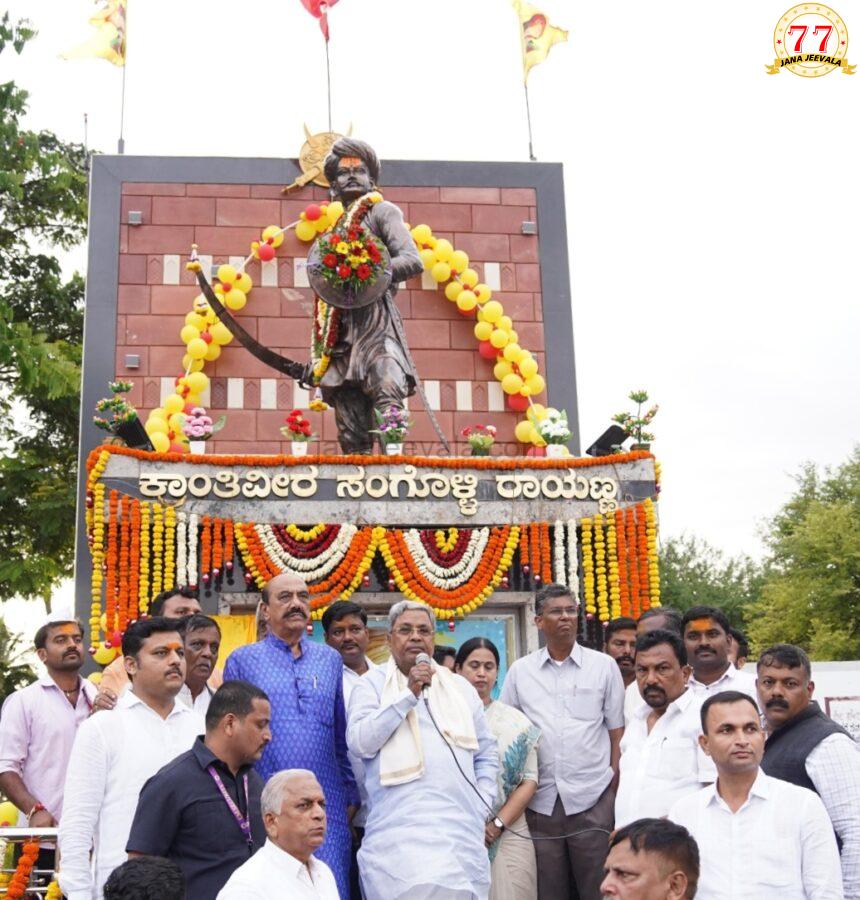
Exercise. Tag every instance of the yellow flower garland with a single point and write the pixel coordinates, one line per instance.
(588, 567)
(98, 555)
(651, 539)
(143, 576)
(600, 569)
(169, 548)
(299, 534)
(157, 549)
(612, 558)
(447, 541)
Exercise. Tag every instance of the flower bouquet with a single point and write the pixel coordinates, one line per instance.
(199, 427)
(555, 431)
(394, 423)
(298, 430)
(119, 417)
(480, 438)
(634, 424)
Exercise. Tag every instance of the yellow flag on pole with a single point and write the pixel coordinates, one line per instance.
(536, 34)
(108, 42)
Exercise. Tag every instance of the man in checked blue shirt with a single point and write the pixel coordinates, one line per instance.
(575, 696)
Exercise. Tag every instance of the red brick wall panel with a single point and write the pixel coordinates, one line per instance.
(400, 195)
(518, 197)
(147, 331)
(424, 334)
(528, 277)
(469, 195)
(153, 189)
(500, 219)
(290, 333)
(441, 216)
(259, 213)
(524, 248)
(132, 269)
(137, 374)
(133, 298)
(484, 247)
(183, 211)
(171, 299)
(143, 205)
(219, 190)
(458, 364)
(160, 239)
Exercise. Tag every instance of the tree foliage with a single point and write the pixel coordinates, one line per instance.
(15, 671)
(43, 193)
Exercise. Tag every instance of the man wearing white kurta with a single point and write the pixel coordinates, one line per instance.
(425, 831)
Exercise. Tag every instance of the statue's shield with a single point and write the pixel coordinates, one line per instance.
(346, 297)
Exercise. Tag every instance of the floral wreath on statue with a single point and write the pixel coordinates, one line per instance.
(350, 247)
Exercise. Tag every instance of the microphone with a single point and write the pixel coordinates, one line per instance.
(423, 658)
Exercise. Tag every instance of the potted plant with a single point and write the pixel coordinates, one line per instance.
(298, 430)
(199, 427)
(553, 428)
(634, 424)
(119, 417)
(480, 438)
(393, 424)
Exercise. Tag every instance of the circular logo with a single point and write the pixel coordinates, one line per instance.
(810, 40)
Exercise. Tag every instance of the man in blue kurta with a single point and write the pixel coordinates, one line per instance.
(304, 682)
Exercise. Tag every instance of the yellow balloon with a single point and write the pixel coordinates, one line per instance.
(506, 322)
(210, 316)
(501, 369)
(244, 283)
(513, 337)
(453, 290)
(213, 351)
(272, 232)
(321, 224)
(191, 365)
(440, 272)
(536, 412)
(221, 334)
(444, 250)
(469, 277)
(197, 348)
(193, 399)
(305, 231)
(95, 678)
(483, 293)
(155, 426)
(459, 261)
(535, 384)
(173, 403)
(195, 320)
(498, 338)
(335, 211)
(512, 352)
(523, 431)
(428, 258)
(105, 655)
(528, 366)
(227, 274)
(512, 384)
(158, 413)
(8, 814)
(235, 299)
(176, 421)
(198, 382)
(188, 333)
(492, 311)
(466, 301)
(483, 330)
(421, 234)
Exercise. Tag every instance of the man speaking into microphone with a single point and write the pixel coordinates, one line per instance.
(430, 771)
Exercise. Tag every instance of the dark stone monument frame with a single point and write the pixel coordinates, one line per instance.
(108, 175)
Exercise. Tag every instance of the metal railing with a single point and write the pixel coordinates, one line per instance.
(39, 878)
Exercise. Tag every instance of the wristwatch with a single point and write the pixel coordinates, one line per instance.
(499, 823)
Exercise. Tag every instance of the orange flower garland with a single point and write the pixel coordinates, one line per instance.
(18, 885)
(642, 557)
(229, 549)
(143, 581)
(206, 547)
(623, 586)
(217, 546)
(524, 549)
(124, 565)
(535, 551)
(111, 562)
(134, 562)
(546, 547)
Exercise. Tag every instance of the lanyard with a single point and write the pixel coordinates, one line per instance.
(244, 822)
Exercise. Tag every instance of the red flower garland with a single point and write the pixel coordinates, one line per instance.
(18, 884)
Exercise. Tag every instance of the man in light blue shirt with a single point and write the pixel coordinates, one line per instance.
(575, 696)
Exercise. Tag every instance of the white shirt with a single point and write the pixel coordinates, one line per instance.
(731, 680)
(632, 701)
(200, 704)
(834, 768)
(779, 844)
(114, 753)
(660, 767)
(272, 872)
(350, 680)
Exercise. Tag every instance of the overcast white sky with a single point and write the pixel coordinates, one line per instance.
(712, 209)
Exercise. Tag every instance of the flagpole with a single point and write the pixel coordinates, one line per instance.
(532, 156)
(120, 145)
(328, 82)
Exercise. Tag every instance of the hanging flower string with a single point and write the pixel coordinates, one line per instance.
(18, 885)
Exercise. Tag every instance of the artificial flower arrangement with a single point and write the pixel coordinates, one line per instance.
(634, 424)
(297, 428)
(198, 426)
(553, 428)
(480, 438)
(351, 257)
(393, 424)
(117, 415)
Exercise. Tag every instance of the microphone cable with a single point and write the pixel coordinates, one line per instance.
(474, 787)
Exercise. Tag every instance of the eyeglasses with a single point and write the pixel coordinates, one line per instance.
(406, 630)
(556, 613)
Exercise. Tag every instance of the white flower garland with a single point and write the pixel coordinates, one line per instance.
(312, 569)
(572, 558)
(558, 561)
(191, 565)
(453, 576)
(181, 549)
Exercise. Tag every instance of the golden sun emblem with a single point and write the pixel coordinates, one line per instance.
(312, 156)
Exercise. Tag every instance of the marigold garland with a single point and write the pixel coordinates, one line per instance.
(588, 567)
(612, 565)
(306, 535)
(447, 541)
(17, 887)
(229, 549)
(217, 546)
(98, 556)
(600, 569)
(621, 556)
(54, 892)
(635, 598)
(642, 558)
(525, 559)
(169, 548)
(546, 553)
(124, 564)
(143, 581)
(157, 549)
(206, 546)
(535, 551)
(111, 562)
(134, 562)
(651, 541)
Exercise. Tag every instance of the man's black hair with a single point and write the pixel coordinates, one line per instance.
(236, 697)
(142, 629)
(195, 622)
(725, 697)
(667, 839)
(663, 636)
(440, 654)
(156, 608)
(706, 612)
(549, 592)
(146, 878)
(622, 623)
(786, 656)
(742, 642)
(341, 610)
(673, 617)
(44, 631)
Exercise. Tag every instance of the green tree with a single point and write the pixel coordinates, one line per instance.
(15, 671)
(693, 572)
(43, 192)
(811, 595)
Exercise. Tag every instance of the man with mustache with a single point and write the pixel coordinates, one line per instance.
(759, 837)
(661, 760)
(202, 810)
(304, 682)
(809, 749)
(707, 634)
(664, 618)
(619, 641)
(115, 752)
(38, 727)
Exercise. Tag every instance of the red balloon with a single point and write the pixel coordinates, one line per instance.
(177, 448)
(487, 350)
(206, 337)
(518, 403)
(266, 252)
(188, 409)
(312, 212)
(536, 451)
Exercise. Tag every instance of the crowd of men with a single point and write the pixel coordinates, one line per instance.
(655, 769)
